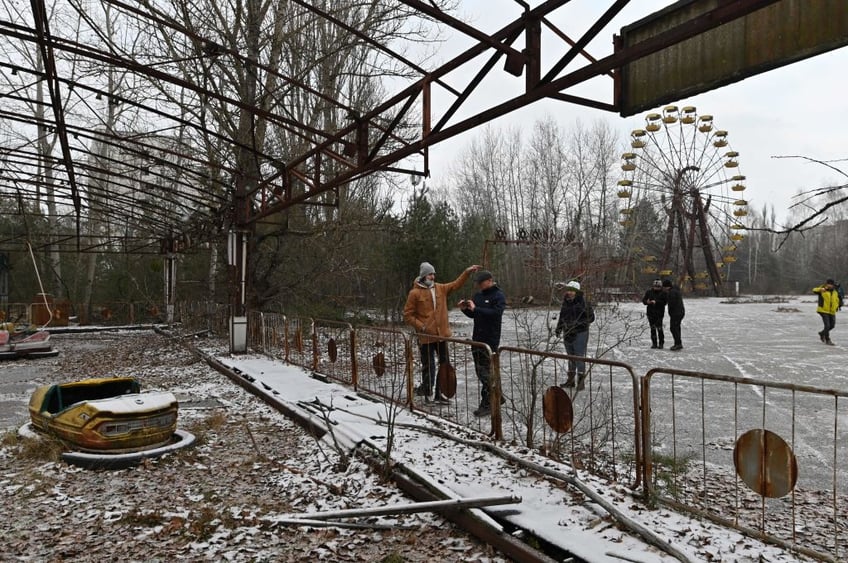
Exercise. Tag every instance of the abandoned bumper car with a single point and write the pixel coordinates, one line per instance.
(16, 343)
(106, 420)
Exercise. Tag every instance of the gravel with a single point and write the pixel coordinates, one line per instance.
(215, 501)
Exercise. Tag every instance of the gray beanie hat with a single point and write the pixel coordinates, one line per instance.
(426, 269)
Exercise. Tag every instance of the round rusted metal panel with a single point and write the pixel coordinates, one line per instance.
(379, 363)
(332, 350)
(766, 463)
(557, 409)
(447, 380)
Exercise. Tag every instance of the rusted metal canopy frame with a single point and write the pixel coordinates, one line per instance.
(42, 31)
(368, 159)
(290, 125)
(155, 214)
(552, 87)
(422, 88)
(138, 147)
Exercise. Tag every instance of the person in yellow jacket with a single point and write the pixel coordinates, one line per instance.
(829, 303)
(426, 311)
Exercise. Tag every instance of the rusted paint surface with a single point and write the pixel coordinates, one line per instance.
(332, 350)
(447, 380)
(771, 37)
(379, 363)
(766, 463)
(558, 410)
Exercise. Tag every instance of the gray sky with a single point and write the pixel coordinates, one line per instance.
(794, 110)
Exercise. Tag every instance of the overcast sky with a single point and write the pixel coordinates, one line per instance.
(798, 109)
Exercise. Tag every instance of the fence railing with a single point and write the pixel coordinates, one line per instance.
(201, 316)
(597, 427)
(764, 457)
(62, 313)
(382, 363)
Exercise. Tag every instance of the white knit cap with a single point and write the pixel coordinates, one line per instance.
(573, 285)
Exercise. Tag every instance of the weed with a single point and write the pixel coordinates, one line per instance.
(142, 518)
(668, 474)
(43, 448)
(202, 427)
(205, 524)
(9, 439)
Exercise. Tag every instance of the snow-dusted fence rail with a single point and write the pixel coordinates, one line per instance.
(334, 356)
(298, 348)
(266, 333)
(596, 427)
(382, 363)
(204, 316)
(458, 382)
(765, 457)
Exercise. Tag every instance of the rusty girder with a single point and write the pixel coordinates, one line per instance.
(372, 141)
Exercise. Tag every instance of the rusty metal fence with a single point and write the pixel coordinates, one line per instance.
(202, 316)
(596, 427)
(765, 457)
(458, 382)
(332, 350)
(382, 363)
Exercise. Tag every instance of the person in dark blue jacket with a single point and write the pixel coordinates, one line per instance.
(486, 307)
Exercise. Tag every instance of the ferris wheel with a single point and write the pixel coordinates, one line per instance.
(682, 208)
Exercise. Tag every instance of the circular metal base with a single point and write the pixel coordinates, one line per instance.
(181, 439)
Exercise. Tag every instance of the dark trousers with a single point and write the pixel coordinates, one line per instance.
(674, 326)
(657, 334)
(829, 323)
(483, 368)
(428, 363)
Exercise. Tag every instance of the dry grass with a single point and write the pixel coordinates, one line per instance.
(41, 449)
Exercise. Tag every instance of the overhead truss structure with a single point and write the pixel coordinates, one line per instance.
(119, 148)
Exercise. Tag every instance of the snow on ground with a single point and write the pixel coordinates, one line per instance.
(771, 341)
(752, 340)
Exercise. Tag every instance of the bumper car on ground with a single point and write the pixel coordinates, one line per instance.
(16, 344)
(104, 415)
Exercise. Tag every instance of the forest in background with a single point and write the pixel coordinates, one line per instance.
(364, 257)
(537, 206)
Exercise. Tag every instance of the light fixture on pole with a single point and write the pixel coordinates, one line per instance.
(232, 247)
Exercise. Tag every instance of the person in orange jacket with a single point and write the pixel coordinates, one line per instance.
(426, 311)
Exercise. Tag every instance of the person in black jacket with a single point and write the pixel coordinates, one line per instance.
(676, 312)
(486, 307)
(655, 299)
(575, 316)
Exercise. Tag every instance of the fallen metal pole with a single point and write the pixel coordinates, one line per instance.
(325, 524)
(432, 506)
